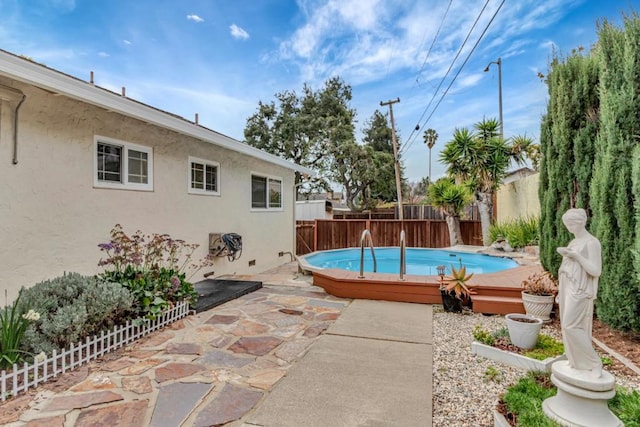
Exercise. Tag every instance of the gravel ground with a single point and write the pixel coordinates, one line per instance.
(467, 387)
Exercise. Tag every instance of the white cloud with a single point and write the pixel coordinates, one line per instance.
(363, 15)
(195, 18)
(238, 33)
(127, 42)
(548, 45)
(103, 54)
(468, 81)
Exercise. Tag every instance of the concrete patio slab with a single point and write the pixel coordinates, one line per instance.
(372, 367)
(385, 320)
(350, 381)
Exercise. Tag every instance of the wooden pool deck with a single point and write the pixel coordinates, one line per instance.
(496, 293)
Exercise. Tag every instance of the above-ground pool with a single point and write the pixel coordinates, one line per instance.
(419, 261)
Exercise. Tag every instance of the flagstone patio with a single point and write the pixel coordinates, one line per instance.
(208, 369)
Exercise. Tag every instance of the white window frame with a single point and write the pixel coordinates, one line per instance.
(269, 178)
(124, 183)
(205, 163)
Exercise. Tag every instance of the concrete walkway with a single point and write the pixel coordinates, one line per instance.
(370, 368)
(285, 355)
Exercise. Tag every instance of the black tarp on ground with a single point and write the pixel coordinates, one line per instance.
(213, 292)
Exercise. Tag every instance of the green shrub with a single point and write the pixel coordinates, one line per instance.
(626, 406)
(483, 336)
(72, 307)
(526, 396)
(525, 399)
(519, 232)
(546, 347)
(501, 333)
(492, 374)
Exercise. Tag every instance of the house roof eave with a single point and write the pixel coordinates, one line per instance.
(39, 75)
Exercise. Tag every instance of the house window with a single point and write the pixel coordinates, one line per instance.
(123, 165)
(266, 192)
(204, 177)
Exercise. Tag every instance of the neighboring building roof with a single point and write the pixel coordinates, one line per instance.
(41, 76)
(518, 174)
(332, 195)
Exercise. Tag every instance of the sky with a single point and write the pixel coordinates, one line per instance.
(220, 58)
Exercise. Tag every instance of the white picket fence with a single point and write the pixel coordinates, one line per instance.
(27, 376)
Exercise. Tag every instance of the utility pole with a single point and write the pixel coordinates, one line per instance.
(395, 155)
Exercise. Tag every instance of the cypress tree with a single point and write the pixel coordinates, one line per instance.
(635, 180)
(614, 219)
(547, 192)
(567, 137)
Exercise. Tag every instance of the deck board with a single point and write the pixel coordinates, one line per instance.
(498, 292)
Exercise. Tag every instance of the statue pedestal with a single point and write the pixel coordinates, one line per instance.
(581, 400)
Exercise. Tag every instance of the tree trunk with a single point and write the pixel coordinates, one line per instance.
(485, 208)
(455, 236)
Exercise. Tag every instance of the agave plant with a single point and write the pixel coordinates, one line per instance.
(456, 283)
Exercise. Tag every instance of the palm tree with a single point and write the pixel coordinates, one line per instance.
(451, 199)
(480, 159)
(430, 137)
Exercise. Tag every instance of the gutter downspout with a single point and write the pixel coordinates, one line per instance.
(15, 130)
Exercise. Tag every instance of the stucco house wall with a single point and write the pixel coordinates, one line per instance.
(518, 198)
(52, 217)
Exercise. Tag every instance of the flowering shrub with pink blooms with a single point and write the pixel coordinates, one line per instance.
(153, 267)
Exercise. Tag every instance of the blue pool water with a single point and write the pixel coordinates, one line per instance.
(419, 261)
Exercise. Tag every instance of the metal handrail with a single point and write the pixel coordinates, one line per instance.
(366, 233)
(403, 256)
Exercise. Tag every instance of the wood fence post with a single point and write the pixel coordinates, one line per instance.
(315, 235)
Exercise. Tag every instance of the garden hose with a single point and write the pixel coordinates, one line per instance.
(233, 243)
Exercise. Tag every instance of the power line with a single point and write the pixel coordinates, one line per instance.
(465, 61)
(409, 141)
(434, 40)
(413, 131)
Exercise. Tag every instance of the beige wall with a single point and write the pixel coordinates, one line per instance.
(519, 198)
(52, 218)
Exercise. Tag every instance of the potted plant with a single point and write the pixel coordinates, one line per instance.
(538, 294)
(523, 329)
(454, 289)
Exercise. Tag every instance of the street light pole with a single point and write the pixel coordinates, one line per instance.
(499, 63)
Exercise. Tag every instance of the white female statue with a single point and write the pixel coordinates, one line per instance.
(578, 287)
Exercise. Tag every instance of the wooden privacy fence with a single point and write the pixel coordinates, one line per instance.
(320, 235)
(408, 212)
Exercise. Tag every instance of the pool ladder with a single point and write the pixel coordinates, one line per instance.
(363, 241)
(366, 237)
(403, 256)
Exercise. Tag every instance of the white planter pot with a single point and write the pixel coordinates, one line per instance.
(538, 305)
(523, 329)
